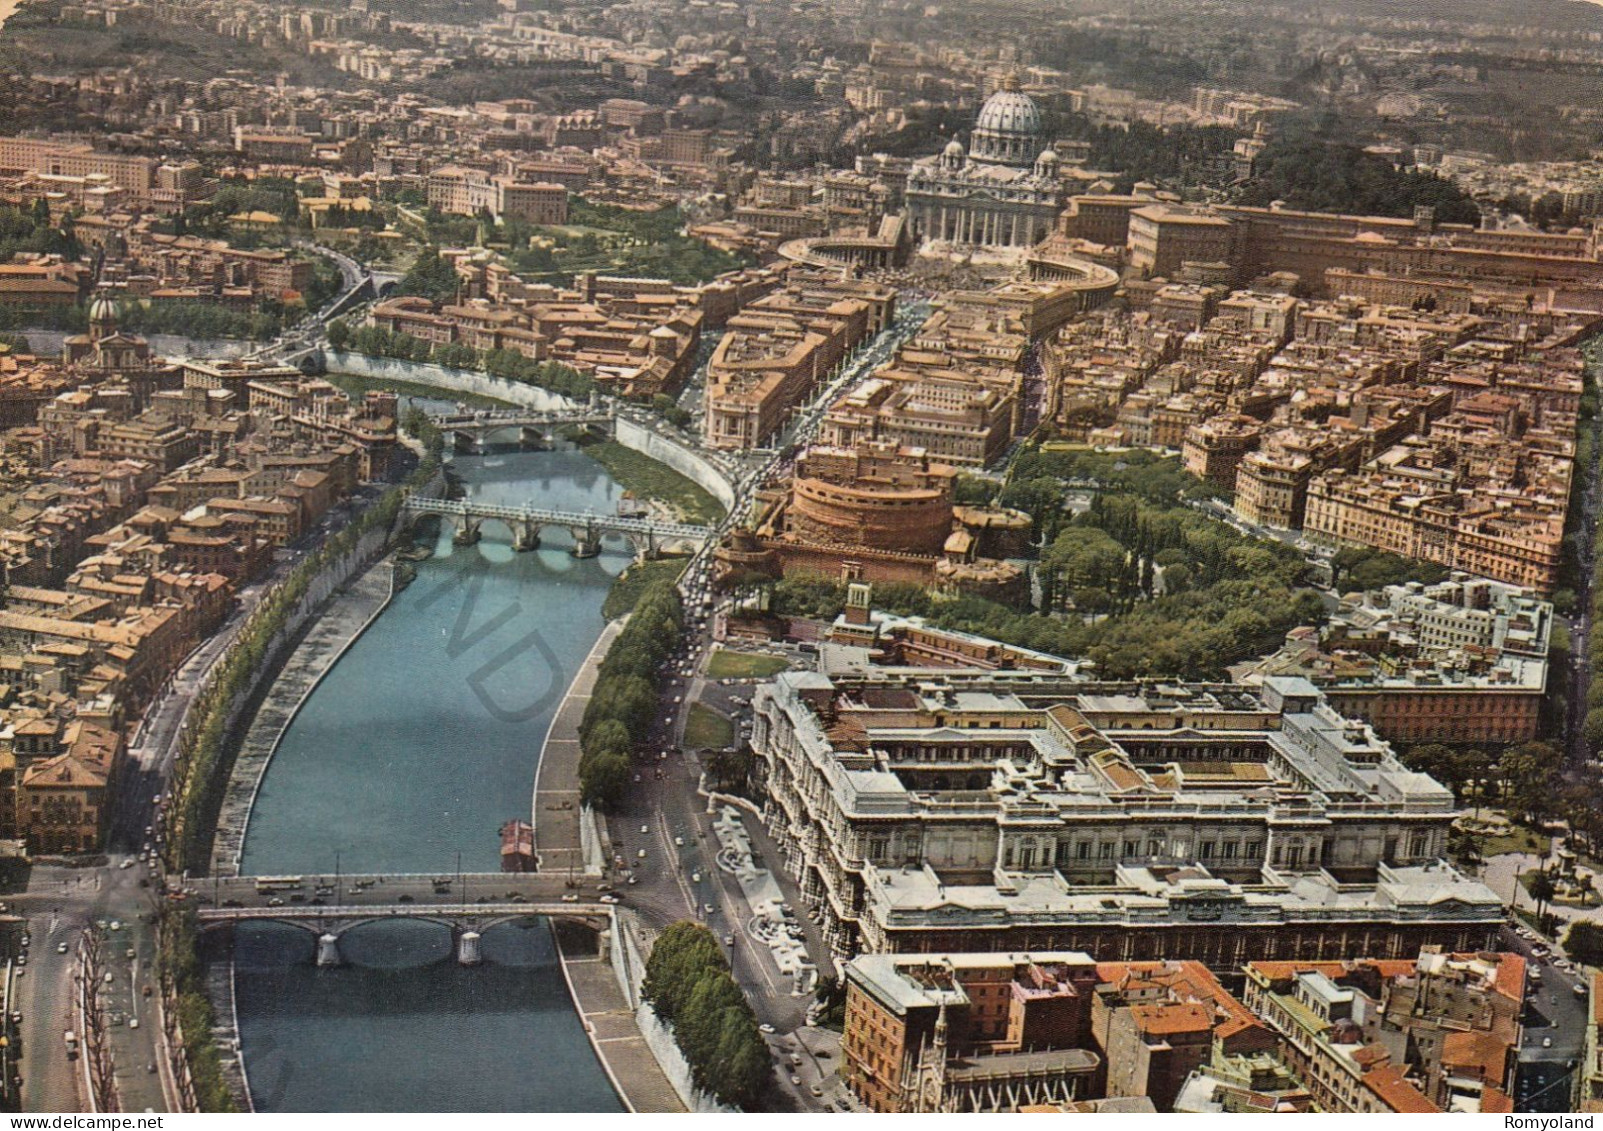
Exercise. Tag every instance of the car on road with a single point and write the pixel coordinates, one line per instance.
(765, 1027)
(796, 1081)
(1547, 1042)
(610, 898)
(61, 949)
(570, 898)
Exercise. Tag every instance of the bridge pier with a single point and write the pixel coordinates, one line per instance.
(464, 441)
(586, 541)
(328, 950)
(467, 949)
(525, 537)
(531, 439)
(467, 532)
(645, 547)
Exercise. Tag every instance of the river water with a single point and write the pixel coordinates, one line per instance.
(409, 755)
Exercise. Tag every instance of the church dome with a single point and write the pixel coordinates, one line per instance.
(1011, 112)
(102, 310)
(954, 148)
(1008, 130)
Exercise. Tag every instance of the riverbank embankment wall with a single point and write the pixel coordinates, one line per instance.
(630, 433)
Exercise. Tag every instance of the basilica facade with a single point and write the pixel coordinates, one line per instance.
(1003, 191)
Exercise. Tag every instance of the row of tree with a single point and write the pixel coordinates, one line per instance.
(1586, 453)
(510, 365)
(623, 702)
(689, 984)
(178, 959)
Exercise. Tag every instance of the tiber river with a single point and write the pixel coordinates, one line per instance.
(419, 743)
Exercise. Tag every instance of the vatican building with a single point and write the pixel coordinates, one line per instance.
(1003, 191)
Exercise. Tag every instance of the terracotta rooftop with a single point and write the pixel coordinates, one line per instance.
(1163, 1020)
(1396, 1092)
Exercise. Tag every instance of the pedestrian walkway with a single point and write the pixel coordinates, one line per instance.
(608, 1017)
(612, 1027)
(557, 812)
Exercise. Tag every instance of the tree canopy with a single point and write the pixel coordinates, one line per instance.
(688, 983)
(624, 700)
(429, 276)
(1313, 173)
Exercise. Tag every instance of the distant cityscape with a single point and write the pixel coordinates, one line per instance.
(991, 557)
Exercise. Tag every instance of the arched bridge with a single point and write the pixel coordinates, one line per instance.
(468, 430)
(646, 535)
(466, 904)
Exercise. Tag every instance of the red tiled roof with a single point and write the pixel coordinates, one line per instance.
(1478, 1051)
(1396, 1092)
(1511, 976)
(1161, 1020)
(1495, 1101)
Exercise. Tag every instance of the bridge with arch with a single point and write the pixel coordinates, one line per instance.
(647, 536)
(467, 431)
(467, 904)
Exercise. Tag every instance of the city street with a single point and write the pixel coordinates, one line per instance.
(58, 905)
(1555, 1019)
(60, 902)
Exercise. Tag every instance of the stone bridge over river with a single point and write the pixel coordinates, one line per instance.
(464, 903)
(647, 536)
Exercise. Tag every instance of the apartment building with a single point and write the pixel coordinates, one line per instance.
(1439, 1032)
